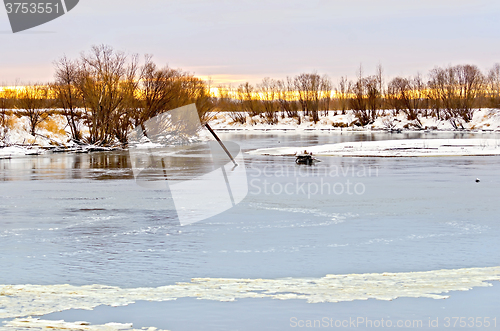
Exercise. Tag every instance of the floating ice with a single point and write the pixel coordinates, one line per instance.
(37, 300)
(38, 324)
(393, 148)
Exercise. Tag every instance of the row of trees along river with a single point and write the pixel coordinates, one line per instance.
(111, 92)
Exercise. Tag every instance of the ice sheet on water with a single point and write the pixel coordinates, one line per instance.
(37, 300)
(391, 148)
(39, 324)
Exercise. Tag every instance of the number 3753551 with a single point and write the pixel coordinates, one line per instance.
(471, 322)
(32, 8)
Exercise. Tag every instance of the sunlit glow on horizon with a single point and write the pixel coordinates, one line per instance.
(11, 88)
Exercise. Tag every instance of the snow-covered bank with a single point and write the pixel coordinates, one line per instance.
(487, 120)
(54, 134)
(19, 142)
(10, 151)
(7, 152)
(396, 148)
(51, 132)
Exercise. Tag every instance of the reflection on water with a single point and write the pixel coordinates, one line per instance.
(67, 166)
(98, 166)
(117, 165)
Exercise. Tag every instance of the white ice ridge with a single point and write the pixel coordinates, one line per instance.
(38, 300)
(36, 324)
(396, 148)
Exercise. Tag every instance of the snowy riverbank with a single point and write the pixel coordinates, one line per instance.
(54, 135)
(486, 120)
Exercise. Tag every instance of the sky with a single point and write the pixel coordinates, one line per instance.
(234, 41)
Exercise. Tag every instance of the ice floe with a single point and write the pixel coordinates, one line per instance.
(39, 324)
(395, 148)
(18, 301)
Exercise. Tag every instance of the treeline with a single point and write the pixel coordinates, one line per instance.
(452, 93)
(110, 93)
(107, 91)
(307, 92)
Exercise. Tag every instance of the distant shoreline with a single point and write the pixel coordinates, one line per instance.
(54, 134)
(484, 120)
(354, 130)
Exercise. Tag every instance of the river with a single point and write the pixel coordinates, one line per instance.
(81, 219)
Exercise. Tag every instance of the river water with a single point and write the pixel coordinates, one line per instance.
(81, 219)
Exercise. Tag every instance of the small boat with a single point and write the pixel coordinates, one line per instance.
(307, 159)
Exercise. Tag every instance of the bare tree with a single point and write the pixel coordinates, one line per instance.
(373, 95)
(287, 98)
(268, 95)
(493, 86)
(227, 104)
(325, 94)
(195, 90)
(407, 94)
(101, 74)
(457, 89)
(367, 96)
(393, 96)
(419, 95)
(308, 90)
(436, 91)
(32, 102)
(470, 86)
(7, 98)
(159, 90)
(118, 94)
(248, 100)
(122, 116)
(441, 85)
(341, 93)
(66, 95)
(358, 99)
(379, 76)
